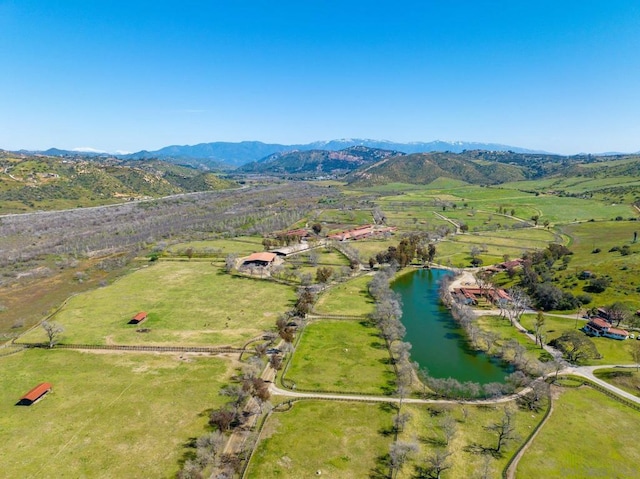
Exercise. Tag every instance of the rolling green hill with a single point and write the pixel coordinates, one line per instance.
(43, 182)
(423, 168)
(318, 162)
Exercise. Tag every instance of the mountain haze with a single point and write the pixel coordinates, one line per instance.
(318, 162)
(214, 155)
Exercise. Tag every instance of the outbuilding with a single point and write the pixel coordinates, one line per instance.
(138, 318)
(260, 259)
(35, 394)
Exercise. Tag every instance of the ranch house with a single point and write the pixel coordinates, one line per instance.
(601, 328)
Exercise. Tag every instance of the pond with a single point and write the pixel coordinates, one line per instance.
(438, 343)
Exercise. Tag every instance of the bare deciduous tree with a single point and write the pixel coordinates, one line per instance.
(436, 463)
(504, 429)
(399, 453)
(53, 332)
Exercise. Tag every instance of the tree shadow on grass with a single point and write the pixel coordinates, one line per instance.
(190, 451)
(388, 407)
(479, 449)
(381, 469)
(433, 441)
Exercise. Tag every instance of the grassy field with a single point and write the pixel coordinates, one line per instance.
(556, 209)
(300, 264)
(627, 379)
(341, 355)
(109, 415)
(502, 327)
(242, 246)
(468, 457)
(350, 298)
(586, 238)
(612, 351)
(587, 435)
(370, 247)
(187, 302)
(341, 440)
(24, 304)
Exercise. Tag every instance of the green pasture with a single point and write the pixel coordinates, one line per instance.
(480, 220)
(527, 237)
(416, 219)
(108, 415)
(242, 246)
(587, 238)
(187, 302)
(573, 184)
(509, 239)
(339, 439)
(467, 458)
(556, 209)
(459, 193)
(456, 252)
(351, 218)
(369, 248)
(613, 351)
(297, 265)
(341, 355)
(587, 435)
(627, 379)
(502, 326)
(349, 298)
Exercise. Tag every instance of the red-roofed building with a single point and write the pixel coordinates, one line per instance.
(35, 394)
(260, 259)
(138, 318)
(600, 327)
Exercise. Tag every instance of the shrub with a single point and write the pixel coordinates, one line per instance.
(584, 298)
(597, 285)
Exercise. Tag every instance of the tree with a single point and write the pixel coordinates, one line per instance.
(449, 428)
(504, 429)
(436, 463)
(230, 262)
(617, 312)
(189, 253)
(484, 282)
(222, 419)
(317, 228)
(323, 274)
(399, 453)
(275, 361)
(597, 285)
(535, 219)
(400, 420)
(575, 346)
(539, 328)
(53, 332)
(209, 447)
(532, 400)
(431, 252)
(314, 257)
(517, 305)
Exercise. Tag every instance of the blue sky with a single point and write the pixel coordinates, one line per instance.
(561, 75)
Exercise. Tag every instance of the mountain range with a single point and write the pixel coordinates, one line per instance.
(219, 154)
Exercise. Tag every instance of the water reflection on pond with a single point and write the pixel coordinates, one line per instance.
(438, 343)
